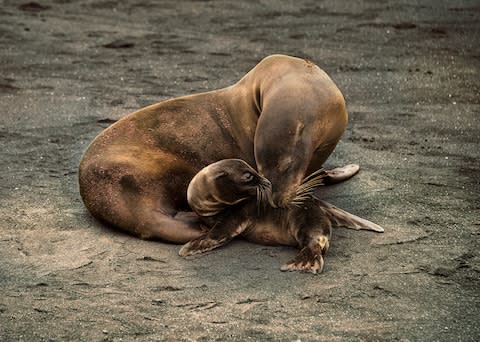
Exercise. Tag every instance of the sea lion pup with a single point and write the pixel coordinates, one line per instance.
(285, 116)
(232, 199)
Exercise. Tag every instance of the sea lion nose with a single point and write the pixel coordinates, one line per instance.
(266, 184)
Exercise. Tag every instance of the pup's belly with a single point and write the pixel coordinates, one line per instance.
(269, 233)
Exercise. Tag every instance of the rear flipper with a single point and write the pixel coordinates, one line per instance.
(341, 218)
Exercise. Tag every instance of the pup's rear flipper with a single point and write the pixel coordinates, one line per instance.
(341, 218)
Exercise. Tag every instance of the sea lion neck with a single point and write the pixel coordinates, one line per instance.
(238, 99)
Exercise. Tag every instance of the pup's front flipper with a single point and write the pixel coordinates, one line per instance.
(228, 225)
(310, 257)
(312, 230)
(203, 244)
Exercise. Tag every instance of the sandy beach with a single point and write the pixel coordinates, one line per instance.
(410, 74)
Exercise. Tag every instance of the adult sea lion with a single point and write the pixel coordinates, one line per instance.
(232, 199)
(285, 116)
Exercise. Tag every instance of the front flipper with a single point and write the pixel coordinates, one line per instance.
(202, 244)
(341, 218)
(228, 225)
(312, 231)
(310, 257)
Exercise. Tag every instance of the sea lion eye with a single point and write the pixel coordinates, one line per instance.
(247, 177)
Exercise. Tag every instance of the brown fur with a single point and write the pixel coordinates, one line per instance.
(285, 116)
(231, 204)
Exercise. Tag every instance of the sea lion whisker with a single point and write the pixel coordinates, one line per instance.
(305, 190)
(264, 195)
(308, 188)
(313, 180)
(311, 184)
(265, 191)
(314, 174)
(296, 203)
(260, 200)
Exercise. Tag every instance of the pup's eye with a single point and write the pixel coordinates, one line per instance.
(247, 177)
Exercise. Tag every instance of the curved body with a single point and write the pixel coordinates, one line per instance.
(285, 116)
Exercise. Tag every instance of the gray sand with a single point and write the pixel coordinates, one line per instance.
(410, 74)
